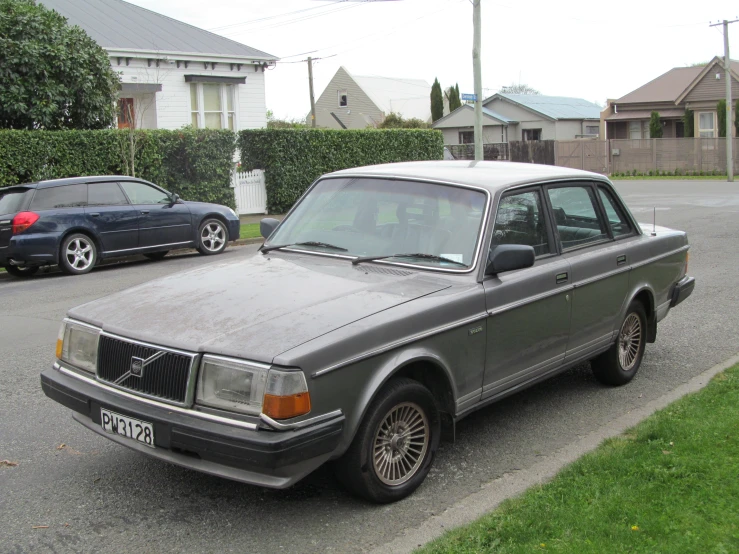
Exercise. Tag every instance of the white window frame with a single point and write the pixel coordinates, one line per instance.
(340, 93)
(703, 132)
(632, 130)
(200, 111)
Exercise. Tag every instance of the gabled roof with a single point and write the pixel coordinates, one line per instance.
(409, 98)
(494, 117)
(118, 25)
(552, 107)
(673, 85)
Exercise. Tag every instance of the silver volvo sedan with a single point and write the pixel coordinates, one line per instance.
(391, 302)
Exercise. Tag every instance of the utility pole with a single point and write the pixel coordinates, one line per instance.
(729, 119)
(312, 98)
(477, 69)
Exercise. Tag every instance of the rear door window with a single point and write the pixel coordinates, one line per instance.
(105, 194)
(67, 196)
(576, 215)
(11, 201)
(617, 220)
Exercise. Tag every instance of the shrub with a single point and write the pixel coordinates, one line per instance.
(292, 159)
(655, 126)
(194, 163)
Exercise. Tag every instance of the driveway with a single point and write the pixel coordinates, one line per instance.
(96, 496)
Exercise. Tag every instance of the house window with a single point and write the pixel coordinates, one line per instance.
(212, 106)
(706, 126)
(591, 130)
(466, 137)
(126, 114)
(531, 134)
(635, 130)
(343, 99)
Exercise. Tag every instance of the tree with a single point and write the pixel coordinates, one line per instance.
(52, 75)
(453, 97)
(721, 112)
(518, 89)
(689, 123)
(396, 121)
(655, 126)
(437, 101)
(275, 123)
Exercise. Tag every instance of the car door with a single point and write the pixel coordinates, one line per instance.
(599, 266)
(113, 218)
(161, 222)
(528, 309)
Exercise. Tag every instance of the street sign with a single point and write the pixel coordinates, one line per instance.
(469, 98)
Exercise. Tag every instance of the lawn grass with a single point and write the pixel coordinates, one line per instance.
(669, 485)
(250, 231)
(668, 178)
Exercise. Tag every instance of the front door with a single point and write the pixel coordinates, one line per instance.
(529, 309)
(161, 222)
(114, 220)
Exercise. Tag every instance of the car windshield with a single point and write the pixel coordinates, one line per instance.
(422, 223)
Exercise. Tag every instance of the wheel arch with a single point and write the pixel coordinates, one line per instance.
(645, 295)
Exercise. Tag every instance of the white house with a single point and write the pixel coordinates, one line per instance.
(356, 101)
(173, 74)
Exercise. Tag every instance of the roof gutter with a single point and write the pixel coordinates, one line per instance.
(191, 56)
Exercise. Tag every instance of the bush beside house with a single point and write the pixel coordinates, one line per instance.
(194, 163)
(292, 159)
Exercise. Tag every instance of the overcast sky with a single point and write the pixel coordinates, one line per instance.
(587, 49)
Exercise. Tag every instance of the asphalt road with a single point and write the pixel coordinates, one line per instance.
(96, 496)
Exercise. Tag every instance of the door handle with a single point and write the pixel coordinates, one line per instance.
(562, 278)
(95, 215)
(621, 260)
(144, 212)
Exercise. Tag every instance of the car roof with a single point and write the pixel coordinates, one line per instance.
(489, 175)
(79, 180)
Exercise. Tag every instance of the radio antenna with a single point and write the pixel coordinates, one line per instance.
(654, 221)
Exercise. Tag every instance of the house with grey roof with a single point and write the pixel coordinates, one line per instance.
(173, 74)
(508, 117)
(359, 101)
(696, 88)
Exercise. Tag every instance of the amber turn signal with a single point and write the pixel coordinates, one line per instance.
(285, 407)
(59, 345)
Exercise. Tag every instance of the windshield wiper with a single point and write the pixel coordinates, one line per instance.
(306, 243)
(421, 255)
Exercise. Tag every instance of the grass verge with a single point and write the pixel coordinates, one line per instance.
(250, 231)
(671, 484)
(669, 178)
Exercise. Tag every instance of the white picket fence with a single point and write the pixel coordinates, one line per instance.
(250, 192)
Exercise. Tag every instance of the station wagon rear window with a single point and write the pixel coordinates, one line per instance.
(11, 201)
(67, 196)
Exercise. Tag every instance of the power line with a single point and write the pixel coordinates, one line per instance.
(249, 21)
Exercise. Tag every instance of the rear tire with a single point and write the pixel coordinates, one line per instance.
(619, 364)
(78, 254)
(395, 444)
(212, 237)
(17, 271)
(156, 255)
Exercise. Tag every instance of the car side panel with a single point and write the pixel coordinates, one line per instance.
(164, 224)
(117, 227)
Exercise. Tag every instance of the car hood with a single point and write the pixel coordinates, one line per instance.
(255, 308)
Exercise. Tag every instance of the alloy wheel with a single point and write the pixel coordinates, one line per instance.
(400, 444)
(213, 236)
(629, 341)
(79, 254)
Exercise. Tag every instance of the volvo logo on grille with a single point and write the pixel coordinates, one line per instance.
(137, 366)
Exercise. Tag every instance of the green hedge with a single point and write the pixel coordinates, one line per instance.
(293, 158)
(194, 163)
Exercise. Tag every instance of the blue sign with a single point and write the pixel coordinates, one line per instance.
(469, 97)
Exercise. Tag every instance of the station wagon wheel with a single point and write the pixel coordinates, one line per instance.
(78, 254)
(212, 237)
(395, 444)
(619, 364)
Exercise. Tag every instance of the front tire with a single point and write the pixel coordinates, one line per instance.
(17, 271)
(618, 365)
(212, 237)
(395, 445)
(78, 254)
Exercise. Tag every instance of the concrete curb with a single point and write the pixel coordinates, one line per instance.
(493, 493)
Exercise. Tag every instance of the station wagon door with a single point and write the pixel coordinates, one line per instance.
(599, 265)
(528, 309)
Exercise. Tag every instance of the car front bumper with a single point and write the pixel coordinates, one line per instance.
(234, 229)
(275, 459)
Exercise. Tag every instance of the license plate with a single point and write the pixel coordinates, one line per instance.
(124, 426)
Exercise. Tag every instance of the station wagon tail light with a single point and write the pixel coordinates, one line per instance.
(77, 344)
(286, 395)
(23, 221)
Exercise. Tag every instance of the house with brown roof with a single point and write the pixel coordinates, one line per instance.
(696, 88)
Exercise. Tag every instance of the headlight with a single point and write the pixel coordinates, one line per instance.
(77, 344)
(251, 388)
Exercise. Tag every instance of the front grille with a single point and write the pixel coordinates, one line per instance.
(165, 376)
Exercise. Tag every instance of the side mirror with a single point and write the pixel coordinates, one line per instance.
(267, 225)
(507, 257)
(174, 197)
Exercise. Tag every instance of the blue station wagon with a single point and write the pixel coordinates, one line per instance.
(76, 222)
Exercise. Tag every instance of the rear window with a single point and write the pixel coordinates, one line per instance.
(11, 201)
(68, 196)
